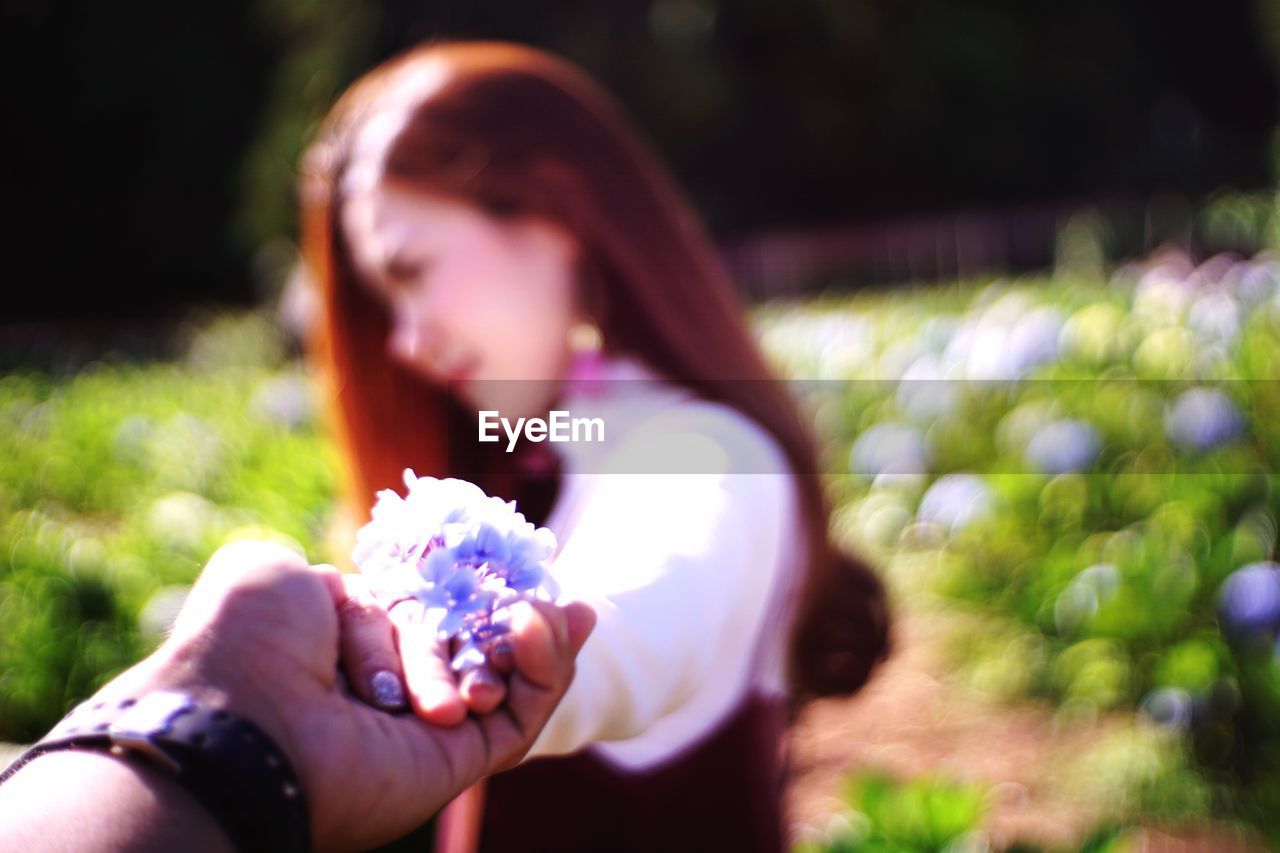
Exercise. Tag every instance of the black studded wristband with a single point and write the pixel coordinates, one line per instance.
(225, 761)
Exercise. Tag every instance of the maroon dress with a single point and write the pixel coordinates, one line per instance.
(723, 793)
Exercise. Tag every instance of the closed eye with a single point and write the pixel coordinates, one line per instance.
(401, 271)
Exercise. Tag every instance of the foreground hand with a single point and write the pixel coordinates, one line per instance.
(261, 634)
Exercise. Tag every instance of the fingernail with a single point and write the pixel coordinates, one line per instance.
(388, 692)
(481, 685)
(482, 677)
(502, 656)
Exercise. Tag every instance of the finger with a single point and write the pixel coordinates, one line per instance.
(482, 689)
(582, 621)
(433, 688)
(547, 638)
(536, 645)
(367, 646)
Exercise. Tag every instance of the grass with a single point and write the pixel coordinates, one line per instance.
(1099, 584)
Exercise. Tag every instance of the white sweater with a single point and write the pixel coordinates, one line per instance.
(690, 574)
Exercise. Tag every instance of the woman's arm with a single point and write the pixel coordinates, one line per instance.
(682, 570)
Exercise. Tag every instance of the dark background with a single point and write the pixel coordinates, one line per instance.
(151, 145)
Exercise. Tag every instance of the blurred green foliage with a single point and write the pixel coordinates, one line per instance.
(1096, 588)
(929, 813)
(117, 485)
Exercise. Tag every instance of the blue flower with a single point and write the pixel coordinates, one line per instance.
(1034, 340)
(1249, 602)
(924, 392)
(889, 448)
(1216, 318)
(1063, 446)
(955, 501)
(477, 544)
(1082, 597)
(1171, 707)
(1202, 419)
(464, 555)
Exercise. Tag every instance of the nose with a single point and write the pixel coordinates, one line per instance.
(406, 342)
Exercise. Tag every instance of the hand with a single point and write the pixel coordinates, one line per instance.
(261, 635)
(404, 640)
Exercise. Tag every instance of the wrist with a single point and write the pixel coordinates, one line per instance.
(224, 761)
(188, 669)
(98, 800)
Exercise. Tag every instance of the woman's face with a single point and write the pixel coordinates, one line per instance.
(472, 298)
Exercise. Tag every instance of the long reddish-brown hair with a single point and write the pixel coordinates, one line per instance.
(522, 133)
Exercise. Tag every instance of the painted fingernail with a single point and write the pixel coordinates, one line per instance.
(480, 682)
(388, 692)
(503, 656)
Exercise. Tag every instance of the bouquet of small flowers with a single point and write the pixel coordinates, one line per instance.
(465, 556)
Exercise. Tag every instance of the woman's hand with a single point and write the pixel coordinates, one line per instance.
(262, 634)
(403, 641)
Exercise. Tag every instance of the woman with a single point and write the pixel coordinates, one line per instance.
(487, 228)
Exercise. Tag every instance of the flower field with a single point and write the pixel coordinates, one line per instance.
(1090, 468)
(1086, 469)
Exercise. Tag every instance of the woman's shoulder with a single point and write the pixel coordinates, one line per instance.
(654, 425)
(710, 437)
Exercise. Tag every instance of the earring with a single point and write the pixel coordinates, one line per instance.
(585, 338)
(586, 361)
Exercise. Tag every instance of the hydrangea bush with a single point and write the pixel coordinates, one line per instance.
(464, 556)
(1091, 470)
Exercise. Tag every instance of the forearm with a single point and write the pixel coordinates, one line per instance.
(94, 801)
